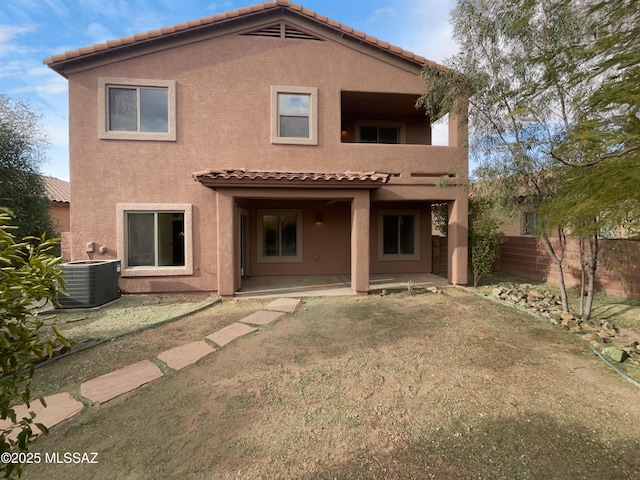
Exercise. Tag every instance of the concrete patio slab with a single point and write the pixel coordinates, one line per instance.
(111, 385)
(60, 407)
(179, 357)
(329, 285)
(262, 317)
(287, 305)
(230, 333)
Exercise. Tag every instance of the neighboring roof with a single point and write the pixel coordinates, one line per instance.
(57, 62)
(241, 177)
(57, 190)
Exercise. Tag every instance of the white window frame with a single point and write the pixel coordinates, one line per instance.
(416, 236)
(104, 83)
(401, 126)
(261, 258)
(147, 271)
(313, 115)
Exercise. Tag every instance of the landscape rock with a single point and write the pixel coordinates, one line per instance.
(545, 304)
(603, 337)
(535, 294)
(566, 316)
(570, 323)
(616, 354)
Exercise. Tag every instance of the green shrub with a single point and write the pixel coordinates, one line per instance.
(29, 277)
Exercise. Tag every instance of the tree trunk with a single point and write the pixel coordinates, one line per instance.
(558, 258)
(592, 263)
(583, 269)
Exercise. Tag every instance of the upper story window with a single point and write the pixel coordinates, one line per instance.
(379, 135)
(294, 115)
(380, 132)
(133, 109)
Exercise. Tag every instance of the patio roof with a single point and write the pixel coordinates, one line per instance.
(245, 178)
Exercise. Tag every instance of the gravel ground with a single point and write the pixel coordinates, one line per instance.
(127, 314)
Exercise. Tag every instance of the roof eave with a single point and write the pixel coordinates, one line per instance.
(64, 62)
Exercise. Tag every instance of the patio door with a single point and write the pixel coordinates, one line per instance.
(243, 241)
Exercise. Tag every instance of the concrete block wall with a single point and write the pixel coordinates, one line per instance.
(618, 268)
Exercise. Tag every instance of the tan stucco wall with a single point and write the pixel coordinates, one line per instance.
(60, 216)
(223, 121)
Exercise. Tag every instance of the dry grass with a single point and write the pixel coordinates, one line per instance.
(446, 386)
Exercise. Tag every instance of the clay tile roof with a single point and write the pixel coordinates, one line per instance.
(57, 62)
(57, 190)
(230, 177)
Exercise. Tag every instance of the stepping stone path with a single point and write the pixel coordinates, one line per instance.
(263, 317)
(287, 305)
(179, 357)
(60, 407)
(63, 406)
(230, 333)
(112, 385)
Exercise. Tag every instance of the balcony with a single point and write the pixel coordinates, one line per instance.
(383, 118)
(386, 132)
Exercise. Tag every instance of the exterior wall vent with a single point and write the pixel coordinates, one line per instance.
(281, 30)
(271, 31)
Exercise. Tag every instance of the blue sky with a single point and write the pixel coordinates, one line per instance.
(31, 30)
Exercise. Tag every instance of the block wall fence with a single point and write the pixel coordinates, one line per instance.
(618, 271)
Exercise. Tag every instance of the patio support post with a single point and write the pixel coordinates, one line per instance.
(458, 240)
(225, 243)
(360, 211)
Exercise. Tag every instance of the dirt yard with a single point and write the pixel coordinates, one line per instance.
(444, 386)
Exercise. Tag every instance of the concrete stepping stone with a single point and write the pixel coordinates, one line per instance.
(262, 317)
(287, 305)
(60, 407)
(111, 385)
(229, 333)
(179, 357)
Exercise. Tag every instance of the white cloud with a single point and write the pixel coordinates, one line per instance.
(7, 35)
(220, 7)
(109, 9)
(58, 7)
(50, 87)
(427, 31)
(39, 71)
(382, 14)
(11, 69)
(98, 33)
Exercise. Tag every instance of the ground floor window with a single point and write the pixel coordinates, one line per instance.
(399, 235)
(279, 236)
(155, 239)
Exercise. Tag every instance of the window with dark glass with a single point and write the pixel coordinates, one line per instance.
(399, 233)
(370, 134)
(155, 239)
(279, 235)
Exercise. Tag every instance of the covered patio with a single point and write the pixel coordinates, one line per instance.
(331, 285)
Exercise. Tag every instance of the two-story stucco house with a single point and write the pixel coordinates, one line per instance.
(269, 140)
